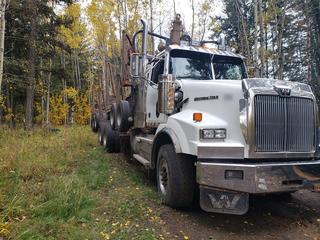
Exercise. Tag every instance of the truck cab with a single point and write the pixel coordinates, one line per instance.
(195, 118)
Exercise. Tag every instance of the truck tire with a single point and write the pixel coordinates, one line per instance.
(111, 139)
(113, 115)
(100, 135)
(94, 123)
(175, 177)
(123, 113)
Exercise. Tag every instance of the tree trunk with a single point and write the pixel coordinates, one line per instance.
(43, 92)
(32, 55)
(104, 81)
(78, 71)
(151, 25)
(315, 13)
(244, 33)
(262, 54)
(266, 49)
(279, 46)
(48, 93)
(274, 55)
(309, 51)
(2, 35)
(192, 26)
(255, 55)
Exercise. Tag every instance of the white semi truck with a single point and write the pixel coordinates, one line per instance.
(194, 117)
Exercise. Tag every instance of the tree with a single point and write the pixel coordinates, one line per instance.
(280, 38)
(3, 6)
(32, 54)
(193, 13)
(31, 35)
(74, 35)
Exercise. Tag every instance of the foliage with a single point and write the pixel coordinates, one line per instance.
(82, 111)
(71, 49)
(69, 103)
(77, 192)
(285, 34)
(61, 57)
(73, 34)
(58, 110)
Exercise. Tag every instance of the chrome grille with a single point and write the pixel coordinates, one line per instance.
(283, 124)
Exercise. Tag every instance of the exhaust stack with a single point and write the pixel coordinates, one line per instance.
(176, 30)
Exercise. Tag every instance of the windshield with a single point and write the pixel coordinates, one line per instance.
(228, 68)
(190, 65)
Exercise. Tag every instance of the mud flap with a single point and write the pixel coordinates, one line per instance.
(213, 200)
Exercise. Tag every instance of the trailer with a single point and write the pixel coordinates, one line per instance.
(191, 115)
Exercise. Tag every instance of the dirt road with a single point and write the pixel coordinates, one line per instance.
(269, 217)
(287, 217)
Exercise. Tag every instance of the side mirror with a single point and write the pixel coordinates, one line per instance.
(166, 90)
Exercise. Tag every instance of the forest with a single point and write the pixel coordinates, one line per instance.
(54, 52)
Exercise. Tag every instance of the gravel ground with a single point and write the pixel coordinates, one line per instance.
(293, 217)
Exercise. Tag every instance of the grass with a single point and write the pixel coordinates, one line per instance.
(62, 185)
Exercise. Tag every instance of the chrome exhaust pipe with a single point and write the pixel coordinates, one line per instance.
(144, 42)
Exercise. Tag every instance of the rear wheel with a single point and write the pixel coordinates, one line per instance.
(100, 136)
(111, 139)
(175, 177)
(123, 114)
(94, 123)
(113, 114)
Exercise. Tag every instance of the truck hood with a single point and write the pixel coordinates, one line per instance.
(218, 101)
(204, 95)
(221, 103)
(274, 86)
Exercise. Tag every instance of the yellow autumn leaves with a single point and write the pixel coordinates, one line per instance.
(69, 105)
(73, 35)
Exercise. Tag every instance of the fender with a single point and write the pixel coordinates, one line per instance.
(165, 135)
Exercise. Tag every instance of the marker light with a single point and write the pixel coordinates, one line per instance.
(197, 117)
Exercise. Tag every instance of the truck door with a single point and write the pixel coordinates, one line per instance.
(153, 117)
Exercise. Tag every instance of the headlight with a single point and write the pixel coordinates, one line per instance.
(213, 133)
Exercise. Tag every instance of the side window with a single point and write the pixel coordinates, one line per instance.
(156, 71)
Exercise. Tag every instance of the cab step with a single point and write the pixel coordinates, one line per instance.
(142, 160)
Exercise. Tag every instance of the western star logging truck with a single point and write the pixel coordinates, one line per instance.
(190, 114)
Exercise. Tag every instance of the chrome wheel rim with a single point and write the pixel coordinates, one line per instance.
(99, 137)
(163, 176)
(112, 119)
(104, 141)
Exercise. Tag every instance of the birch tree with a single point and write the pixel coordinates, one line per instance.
(2, 36)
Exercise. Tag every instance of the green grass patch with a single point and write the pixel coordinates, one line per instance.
(62, 185)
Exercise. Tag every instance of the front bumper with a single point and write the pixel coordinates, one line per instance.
(260, 177)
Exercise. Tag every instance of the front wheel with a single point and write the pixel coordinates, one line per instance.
(175, 177)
